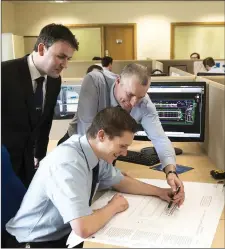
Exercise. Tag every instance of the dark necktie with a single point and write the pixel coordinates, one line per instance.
(95, 172)
(38, 96)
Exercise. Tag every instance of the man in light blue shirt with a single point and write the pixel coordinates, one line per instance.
(130, 92)
(60, 193)
(211, 67)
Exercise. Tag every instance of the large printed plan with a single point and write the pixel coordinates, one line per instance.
(149, 223)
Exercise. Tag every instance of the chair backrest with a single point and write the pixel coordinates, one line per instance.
(13, 189)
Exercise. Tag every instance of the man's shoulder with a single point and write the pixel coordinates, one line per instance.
(100, 78)
(14, 62)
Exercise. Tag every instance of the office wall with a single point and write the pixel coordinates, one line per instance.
(8, 17)
(153, 18)
(7, 44)
(206, 40)
(89, 43)
(18, 42)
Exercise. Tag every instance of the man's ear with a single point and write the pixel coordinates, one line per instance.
(101, 135)
(117, 82)
(41, 49)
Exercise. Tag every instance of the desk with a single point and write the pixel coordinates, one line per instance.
(193, 156)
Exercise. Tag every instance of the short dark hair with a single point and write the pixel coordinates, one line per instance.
(114, 121)
(92, 67)
(197, 55)
(53, 33)
(96, 58)
(106, 61)
(209, 61)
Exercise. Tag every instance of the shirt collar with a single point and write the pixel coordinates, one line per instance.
(35, 74)
(113, 100)
(89, 154)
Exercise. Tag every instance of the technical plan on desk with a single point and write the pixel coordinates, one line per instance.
(148, 222)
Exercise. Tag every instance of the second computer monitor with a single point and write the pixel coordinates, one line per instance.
(181, 110)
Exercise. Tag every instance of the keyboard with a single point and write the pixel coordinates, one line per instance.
(139, 158)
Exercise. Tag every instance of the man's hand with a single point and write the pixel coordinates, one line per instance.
(175, 182)
(119, 203)
(167, 194)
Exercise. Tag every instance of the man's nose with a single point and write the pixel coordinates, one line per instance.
(65, 63)
(133, 101)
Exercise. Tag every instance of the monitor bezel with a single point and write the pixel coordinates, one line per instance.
(183, 139)
(210, 74)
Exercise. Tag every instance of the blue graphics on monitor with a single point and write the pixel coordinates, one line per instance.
(67, 102)
(181, 110)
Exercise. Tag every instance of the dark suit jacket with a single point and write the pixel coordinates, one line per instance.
(22, 135)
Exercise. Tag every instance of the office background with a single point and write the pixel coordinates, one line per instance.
(153, 20)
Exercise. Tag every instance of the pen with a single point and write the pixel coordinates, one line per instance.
(171, 202)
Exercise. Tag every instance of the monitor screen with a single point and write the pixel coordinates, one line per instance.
(67, 102)
(181, 67)
(181, 110)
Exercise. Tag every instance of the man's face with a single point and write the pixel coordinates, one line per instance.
(55, 58)
(112, 148)
(129, 92)
(110, 67)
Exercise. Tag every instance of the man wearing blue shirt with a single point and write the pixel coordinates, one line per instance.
(211, 67)
(130, 92)
(60, 194)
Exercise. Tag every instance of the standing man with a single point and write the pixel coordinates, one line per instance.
(60, 195)
(30, 86)
(130, 92)
(107, 62)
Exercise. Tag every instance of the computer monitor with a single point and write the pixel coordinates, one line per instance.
(181, 67)
(158, 75)
(210, 74)
(181, 110)
(67, 102)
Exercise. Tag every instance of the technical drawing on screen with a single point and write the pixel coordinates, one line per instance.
(181, 110)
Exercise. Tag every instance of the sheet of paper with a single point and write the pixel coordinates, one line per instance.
(148, 222)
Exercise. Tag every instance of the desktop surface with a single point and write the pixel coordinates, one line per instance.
(193, 156)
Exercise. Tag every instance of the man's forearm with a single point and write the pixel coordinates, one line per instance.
(132, 186)
(88, 225)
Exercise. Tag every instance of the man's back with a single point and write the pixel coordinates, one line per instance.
(94, 96)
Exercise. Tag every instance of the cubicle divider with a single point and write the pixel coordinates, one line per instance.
(218, 79)
(178, 72)
(77, 69)
(173, 78)
(157, 65)
(214, 143)
(185, 65)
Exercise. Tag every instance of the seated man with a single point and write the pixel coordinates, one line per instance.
(195, 56)
(107, 62)
(210, 66)
(60, 194)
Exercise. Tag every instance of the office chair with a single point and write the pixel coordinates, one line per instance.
(13, 189)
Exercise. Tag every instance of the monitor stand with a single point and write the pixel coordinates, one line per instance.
(152, 151)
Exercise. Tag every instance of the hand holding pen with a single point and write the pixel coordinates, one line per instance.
(171, 202)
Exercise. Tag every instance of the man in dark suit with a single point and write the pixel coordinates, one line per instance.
(30, 86)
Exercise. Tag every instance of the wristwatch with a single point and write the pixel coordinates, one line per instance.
(171, 172)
